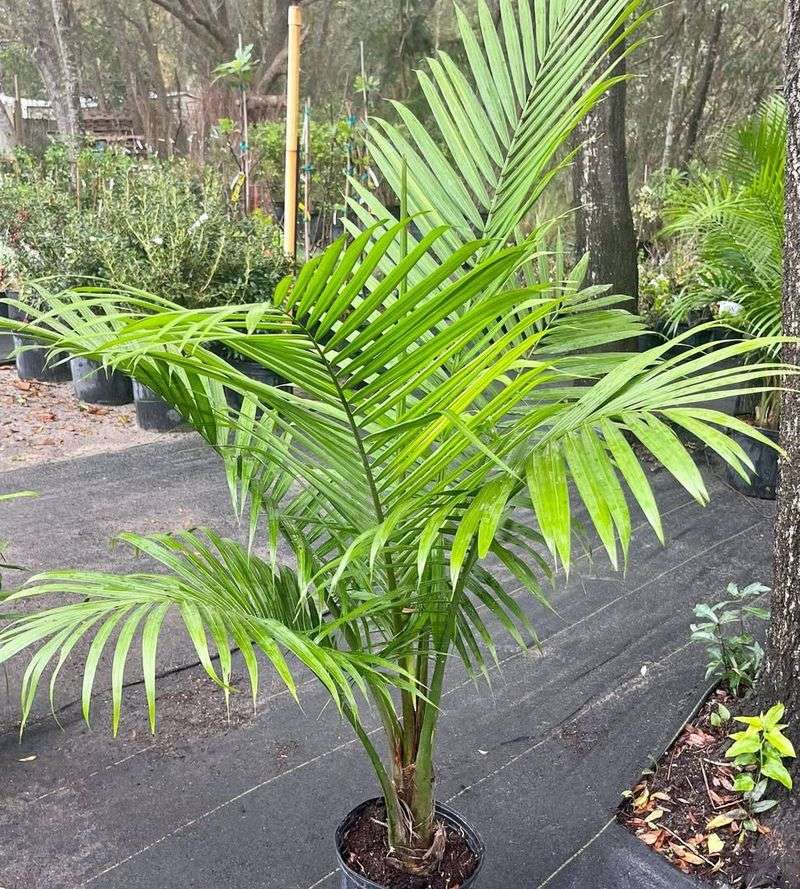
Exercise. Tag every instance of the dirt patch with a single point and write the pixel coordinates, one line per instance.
(44, 422)
(366, 851)
(686, 808)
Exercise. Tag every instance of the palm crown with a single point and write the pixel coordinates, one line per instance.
(434, 387)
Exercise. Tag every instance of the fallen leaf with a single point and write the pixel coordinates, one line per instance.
(655, 815)
(28, 758)
(715, 844)
(716, 799)
(641, 801)
(719, 821)
(651, 837)
(22, 385)
(692, 858)
(662, 796)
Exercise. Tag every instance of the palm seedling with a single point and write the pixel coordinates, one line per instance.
(435, 390)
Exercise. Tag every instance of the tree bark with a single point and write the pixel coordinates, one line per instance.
(781, 676)
(703, 87)
(777, 856)
(677, 79)
(604, 222)
(55, 54)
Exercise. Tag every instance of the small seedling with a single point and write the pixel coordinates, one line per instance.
(763, 745)
(734, 655)
(721, 715)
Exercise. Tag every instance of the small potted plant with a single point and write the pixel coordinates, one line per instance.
(7, 262)
(34, 233)
(392, 483)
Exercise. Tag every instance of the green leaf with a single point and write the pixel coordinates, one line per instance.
(774, 768)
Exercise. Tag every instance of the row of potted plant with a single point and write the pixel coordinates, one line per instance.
(162, 228)
(718, 255)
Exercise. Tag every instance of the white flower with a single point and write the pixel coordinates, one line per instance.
(158, 240)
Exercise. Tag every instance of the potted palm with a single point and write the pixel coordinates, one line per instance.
(438, 387)
(427, 419)
(734, 217)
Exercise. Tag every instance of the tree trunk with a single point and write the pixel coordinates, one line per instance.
(677, 80)
(604, 222)
(54, 52)
(8, 135)
(701, 96)
(781, 676)
(777, 860)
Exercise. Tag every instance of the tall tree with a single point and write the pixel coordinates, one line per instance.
(604, 222)
(50, 26)
(781, 676)
(704, 83)
(777, 859)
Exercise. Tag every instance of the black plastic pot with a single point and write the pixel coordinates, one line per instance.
(764, 482)
(351, 880)
(152, 412)
(96, 385)
(6, 339)
(256, 372)
(32, 362)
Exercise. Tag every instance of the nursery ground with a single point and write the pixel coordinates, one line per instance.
(537, 764)
(42, 422)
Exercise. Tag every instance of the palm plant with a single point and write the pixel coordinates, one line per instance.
(735, 216)
(437, 385)
(492, 138)
(422, 418)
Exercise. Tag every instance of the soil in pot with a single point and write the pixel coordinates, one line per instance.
(364, 849)
(94, 384)
(764, 482)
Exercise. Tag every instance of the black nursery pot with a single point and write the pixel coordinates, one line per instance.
(351, 880)
(765, 459)
(95, 384)
(32, 364)
(6, 339)
(256, 372)
(152, 412)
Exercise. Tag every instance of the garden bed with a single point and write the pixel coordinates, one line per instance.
(686, 808)
(42, 422)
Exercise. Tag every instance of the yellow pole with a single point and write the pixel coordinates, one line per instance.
(292, 134)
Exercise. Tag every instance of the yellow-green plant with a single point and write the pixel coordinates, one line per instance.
(762, 745)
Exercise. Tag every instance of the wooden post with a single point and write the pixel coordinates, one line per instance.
(292, 120)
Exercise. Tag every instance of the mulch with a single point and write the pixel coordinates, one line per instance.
(686, 809)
